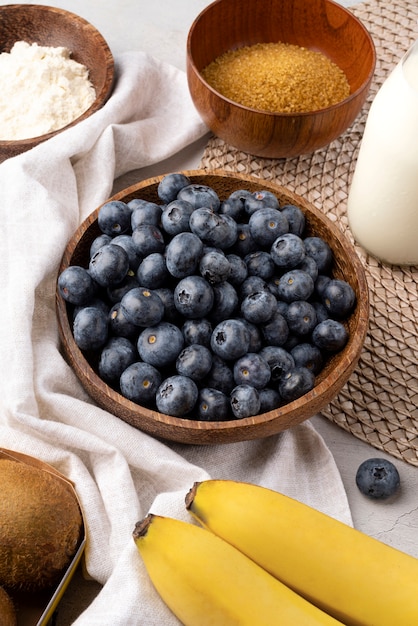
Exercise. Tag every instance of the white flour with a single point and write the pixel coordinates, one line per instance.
(41, 90)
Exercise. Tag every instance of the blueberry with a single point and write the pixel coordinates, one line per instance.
(276, 330)
(378, 478)
(119, 325)
(259, 200)
(301, 317)
(175, 217)
(135, 202)
(116, 292)
(244, 243)
(115, 357)
(273, 286)
(320, 284)
(142, 307)
(114, 218)
(183, 254)
(296, 383)
(245, 401)
(308, 355)
(252, 369)
(269, 399)
(266, 225)
(197, 332)
(98, 303)
(295, 219)
(221, 376)
(214, 267)
(166, 296)
(240, 195)
(109, 265)
(260, 264)
(194, 361)
(259, 307)
(176, 396)
(193, 297)
(144, 212)
(170, 185)
(213, 229)
(234, 207)
(212, 405)
(230, 339)
(90, 328)
(339, 298)
(238, 271)
(330, 335)
(152, 271)
(256, 338)
(252, 284)
(76, 285)
(139, 382)
(282, 307)
(309, 266)
(147, 239)
(225, 302)
(321, 312)
(319, 249)
(295, 285)
(160, 345)
(288, 251)
(279, 360)
(98, 242)
(200, 196)
(292, 341)
(126, 242)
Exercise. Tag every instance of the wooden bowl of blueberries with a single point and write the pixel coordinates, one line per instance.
(209, 307)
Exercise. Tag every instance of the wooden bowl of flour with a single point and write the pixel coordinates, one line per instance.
(54, 27)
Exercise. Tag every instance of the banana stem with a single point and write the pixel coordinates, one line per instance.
(141, 527)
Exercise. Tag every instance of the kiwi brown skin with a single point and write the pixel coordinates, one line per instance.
(8, 615)
(41, 526)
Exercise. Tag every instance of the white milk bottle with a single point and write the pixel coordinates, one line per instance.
(383, 199)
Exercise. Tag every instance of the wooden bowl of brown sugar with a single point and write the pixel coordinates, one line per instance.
(279, 79)
(51, 27)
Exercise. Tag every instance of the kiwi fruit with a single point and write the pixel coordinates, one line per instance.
(41, 525)
(7, 610)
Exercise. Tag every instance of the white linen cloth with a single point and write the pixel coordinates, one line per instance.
(119, 472)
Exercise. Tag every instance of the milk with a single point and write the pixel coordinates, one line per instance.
(383, 198)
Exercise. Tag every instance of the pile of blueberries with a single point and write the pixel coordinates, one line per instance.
(207, 308)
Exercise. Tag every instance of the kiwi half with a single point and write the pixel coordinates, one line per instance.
(8, 615)
(41, 526)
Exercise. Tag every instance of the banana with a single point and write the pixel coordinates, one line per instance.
(355, 578)
(205, 581)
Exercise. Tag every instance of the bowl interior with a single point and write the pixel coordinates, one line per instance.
(328, 383)
(321, 25)
(50, 26)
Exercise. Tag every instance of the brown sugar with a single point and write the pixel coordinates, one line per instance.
(278, 78)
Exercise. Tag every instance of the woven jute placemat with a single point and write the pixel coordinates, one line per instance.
(379, 404)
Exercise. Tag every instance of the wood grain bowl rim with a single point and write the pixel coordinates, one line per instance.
(189, 431)
(80, 23)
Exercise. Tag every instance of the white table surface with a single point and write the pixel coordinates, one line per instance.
(160, 28)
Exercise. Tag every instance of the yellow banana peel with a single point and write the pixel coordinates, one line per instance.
(207, 582)
(357, 579)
